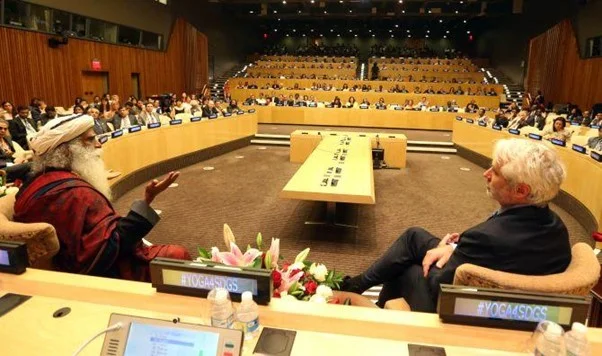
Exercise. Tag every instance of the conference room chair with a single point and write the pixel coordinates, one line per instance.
(164, 119)
(183, 116)
(578, 279)
(40, 238)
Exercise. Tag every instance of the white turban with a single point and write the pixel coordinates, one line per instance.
(60, 130)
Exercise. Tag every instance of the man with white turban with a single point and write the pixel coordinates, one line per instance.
(70, 191)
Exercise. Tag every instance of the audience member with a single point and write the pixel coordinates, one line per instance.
(100, 125)
(149, 115)
(21, 126)
(15, 168)
(123, 119)
(595, 143)
(49, 114)
(558, 130)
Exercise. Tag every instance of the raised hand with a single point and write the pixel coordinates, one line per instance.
(155, 187)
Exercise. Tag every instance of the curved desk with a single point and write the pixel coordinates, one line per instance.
(584, 175)
(338, 83)
(298, 71)
(418, 74)
(32, 330)
(373, 97)
(398, 119)
(173, 147)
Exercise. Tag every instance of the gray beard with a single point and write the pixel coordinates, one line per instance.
(88, 164)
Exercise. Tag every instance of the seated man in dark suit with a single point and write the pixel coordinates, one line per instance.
(210, 109)
(100, 126)
(123, 119)
(48, 115)
(595, 143)
(22, 126)
(523, 236)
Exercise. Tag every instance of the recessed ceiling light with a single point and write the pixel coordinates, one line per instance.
(275, 11)
(303, 35)
(396, 25)
(355, 35)
(444, 36)
(428, 31)
(401, 1)
(456, 11)
(341, 1)
(312, 1)
(338, 35)
(350, 11)
(331, 30)
(275, 30)
(408, 31)
(468, 32)
(312, 30)
(287, 35)
(440, 21)
(464, 21)
(284, 2)
(350, 30)
(373, 35)
(299, 11)
(390, 31)
(427, 36)
(294, 30)
(430, 12)
(278, 19)
(370, 31)
(403, 11)
(325, 12)
(251, 11)
(409, 36)
(392, 36)
(446, 31)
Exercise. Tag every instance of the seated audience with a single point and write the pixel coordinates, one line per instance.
(9, 111)
(381, 104)
(123, 119)
(597, 121)
(178, 108)
(49, 114)
(523, 236)
(100, 125)
(78, 109)
(536, 119)
(233, 106)
(558, 130)
(210, 110)
(483, 116)
(149, 115)
(351, 103)
(21, 127)
(70, 191)
(337, 102)
(15, 168)
(501, 119)
(595, 143)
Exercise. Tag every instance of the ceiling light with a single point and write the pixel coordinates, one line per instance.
(461, 2)
(251, 11)
(341, 1)
(392, 36)
(294, 30)
(321, 35)
(275, 30)
(299, 11)
(401, 1)
(428, 31)
(373, 35)
(331, 30)
(275, 11)
(430, 12)
(278, 19)
(409, 36)
(350, 30)
(303, 35)
(427, 36)
(283, 2)
(456, 11)
(355, 35)
(338, 35)
(350, 11)
(287, 35)
(396, 25)
(370, 31)
(408, 31)
(468, 32)
(312, 1)
(446, 31)
(403, 11)
(440, 21)
(444, 36)
(325, 12)
(464, 21)
(312, 30)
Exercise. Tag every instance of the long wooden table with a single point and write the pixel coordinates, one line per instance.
(584, 175)
(429, 75)
(299, 64)
(134, 151)
(298, 71)
(325, 59)
(338, 84)
(322, 329)
(390, 98)
(304, 142)
(411, 60)
(420, 120)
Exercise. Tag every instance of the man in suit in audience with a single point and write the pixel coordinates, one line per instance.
(209, 109)
(523, 236)
(22, 126)
(595, 143)
(536, 119)
(149, 115)
(123, 119)
(48, 115)
(100, 126)
(15, 168)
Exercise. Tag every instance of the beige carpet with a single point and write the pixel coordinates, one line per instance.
(431, 192)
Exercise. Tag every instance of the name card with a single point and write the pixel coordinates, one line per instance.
(595, 127)
(535, 136)
(481, 123)
(595, 155)
(103, 139)
(497, 127)
(558, 142)
(240, 112)
(363, 106)
(296, 105)
(213, 116)
(575, 124)
(280, 104)
(227, 114)
(470, 121)
(514, 131)
(134, 128)
(199, 278)
(176, 122)
(154, 125)
(381, 108)
(580, 149)
(312, 105)
(116, 133)
(459, 118)
(251, 111)
(195, 119)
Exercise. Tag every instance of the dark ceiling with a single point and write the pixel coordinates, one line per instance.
(367, 18)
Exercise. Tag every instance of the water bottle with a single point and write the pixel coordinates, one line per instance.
(549, 339)
(222, 313)
(247, 315)
(576, 341)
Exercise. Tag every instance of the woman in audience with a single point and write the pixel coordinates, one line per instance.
(233, 106)
(104, 106)
(483, 117)
(195, 107)
(351, 103)
(9, 110)
(337, 102)
(381, 104)
(409, 104)
(558, 131)
(177, 109)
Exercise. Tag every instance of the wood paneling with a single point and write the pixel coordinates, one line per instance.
(32, 69)
(556, 68)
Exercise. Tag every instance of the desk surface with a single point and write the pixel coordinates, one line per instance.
(356, 181)
(387, 326)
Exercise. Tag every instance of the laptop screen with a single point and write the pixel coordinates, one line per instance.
(148, 339)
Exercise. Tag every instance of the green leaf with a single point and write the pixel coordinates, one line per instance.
(259, 240)
(268, 260)
(204, 253)
(293, 288)
(257, 262)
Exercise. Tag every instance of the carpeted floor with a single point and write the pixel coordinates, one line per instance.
(431, 192)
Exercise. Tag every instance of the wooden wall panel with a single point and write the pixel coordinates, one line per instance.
(556, 68)
(29, 68)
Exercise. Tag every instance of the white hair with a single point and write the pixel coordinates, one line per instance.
(74, 156)
(530, 163)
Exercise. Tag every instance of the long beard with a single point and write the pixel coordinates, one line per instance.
(88, 164)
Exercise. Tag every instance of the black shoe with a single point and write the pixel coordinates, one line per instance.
(353, 285)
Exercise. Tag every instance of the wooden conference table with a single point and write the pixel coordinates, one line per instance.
(326, 329)
(441, 76)
(339, 170)
(298, 71)
(390, 98)
(584, 174)
(408, 119)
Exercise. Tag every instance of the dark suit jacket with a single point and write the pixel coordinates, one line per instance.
(5, 157)
(18, 132)
(524, 240)
(100, 127)
(207, 111)
(117, 121)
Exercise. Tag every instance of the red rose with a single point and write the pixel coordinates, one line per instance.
(276, 279)
(276, 294)
(310, 287)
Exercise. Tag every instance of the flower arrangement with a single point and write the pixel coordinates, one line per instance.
(299, 280)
